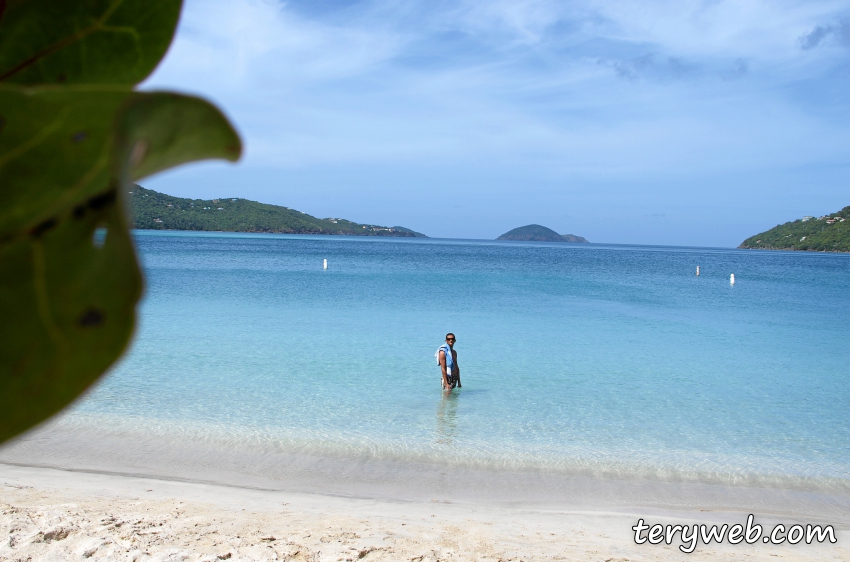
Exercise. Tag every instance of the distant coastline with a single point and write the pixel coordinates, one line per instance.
(827, 233)
(152, 210)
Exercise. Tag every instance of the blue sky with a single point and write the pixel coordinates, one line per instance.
(625, 121)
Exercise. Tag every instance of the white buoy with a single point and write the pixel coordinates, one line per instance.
(732, 279)
(697, 271)
(326, 265)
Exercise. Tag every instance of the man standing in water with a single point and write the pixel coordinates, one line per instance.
(447, 357)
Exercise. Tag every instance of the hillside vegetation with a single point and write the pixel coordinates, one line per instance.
(157, 211)
(537, 233)
(829, 233)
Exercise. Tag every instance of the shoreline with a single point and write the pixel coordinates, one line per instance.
(302, 233)
(75, 492)
(134, 455)
(59, 514)
(772, 249)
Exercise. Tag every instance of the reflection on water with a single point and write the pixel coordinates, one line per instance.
(447, 417)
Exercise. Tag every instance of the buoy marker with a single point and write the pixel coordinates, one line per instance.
(326, 263)
(732, 279)
(697, 271)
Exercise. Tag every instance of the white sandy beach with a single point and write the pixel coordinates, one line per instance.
(50, 514)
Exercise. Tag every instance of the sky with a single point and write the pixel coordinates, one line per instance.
(674, 122)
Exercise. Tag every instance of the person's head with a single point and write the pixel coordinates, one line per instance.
(450, 339)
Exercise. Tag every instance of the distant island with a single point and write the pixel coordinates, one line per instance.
(152, 210)
(537, 233)
(829, 233)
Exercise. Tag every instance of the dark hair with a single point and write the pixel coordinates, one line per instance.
(449, 334)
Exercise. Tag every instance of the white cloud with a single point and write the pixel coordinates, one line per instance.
(259, 42)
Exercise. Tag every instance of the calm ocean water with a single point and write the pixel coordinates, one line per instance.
(589, 358)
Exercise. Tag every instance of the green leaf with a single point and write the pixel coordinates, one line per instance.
(159, 130)
(55, 150)
(84, 41)
(68, 310)
(67, 157)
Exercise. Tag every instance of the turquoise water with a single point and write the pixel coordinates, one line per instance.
(589, 358)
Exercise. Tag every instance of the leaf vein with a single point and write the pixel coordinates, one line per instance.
(98, 25)
(22, 149)
(42, 299)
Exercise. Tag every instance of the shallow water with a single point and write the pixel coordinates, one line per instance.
(592, 359)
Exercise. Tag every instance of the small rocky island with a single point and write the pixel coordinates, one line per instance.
(537, 233)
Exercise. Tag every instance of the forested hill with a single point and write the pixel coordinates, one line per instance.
(829, 233)
(158, 211)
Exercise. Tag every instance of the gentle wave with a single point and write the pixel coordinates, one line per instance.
(220, 444)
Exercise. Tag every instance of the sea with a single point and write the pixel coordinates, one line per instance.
(255, 365)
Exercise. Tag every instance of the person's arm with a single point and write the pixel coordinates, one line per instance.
(443, 368)
(457, 368)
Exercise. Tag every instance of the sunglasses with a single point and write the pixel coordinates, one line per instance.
(450, 339)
